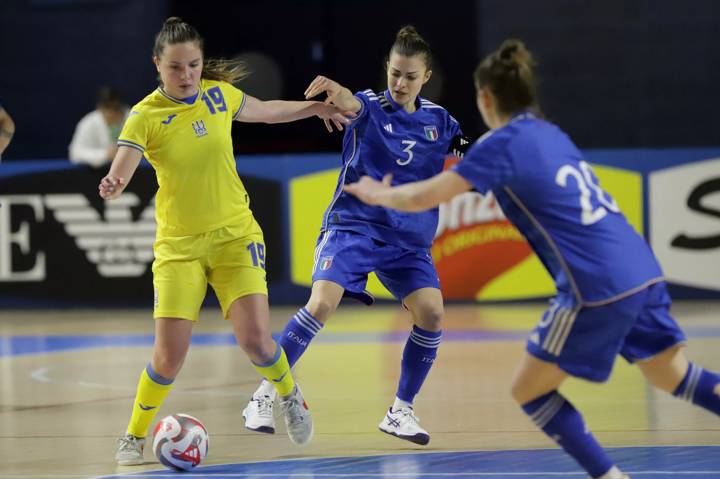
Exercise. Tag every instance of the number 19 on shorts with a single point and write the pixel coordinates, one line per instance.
(257, 252)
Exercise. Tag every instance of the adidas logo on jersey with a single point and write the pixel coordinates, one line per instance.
(388, 127)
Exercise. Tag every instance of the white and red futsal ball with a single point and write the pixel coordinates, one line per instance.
(180, 442)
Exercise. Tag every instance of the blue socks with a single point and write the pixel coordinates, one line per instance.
(418, 357)
(563, 423)
(698, 387)
(298, 333)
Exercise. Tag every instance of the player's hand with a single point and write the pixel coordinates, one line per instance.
(111, 186)
(323, 84)
(332, 115)
(369, 190)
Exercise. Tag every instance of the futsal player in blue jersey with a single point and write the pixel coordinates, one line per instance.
(611, 296)
(395, 130)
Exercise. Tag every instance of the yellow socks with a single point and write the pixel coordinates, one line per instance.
(277, 372)
(152, 390)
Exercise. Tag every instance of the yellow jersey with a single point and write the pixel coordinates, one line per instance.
(190, 147)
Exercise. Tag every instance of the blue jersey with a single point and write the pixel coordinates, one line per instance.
(551, 195)
(384, 138)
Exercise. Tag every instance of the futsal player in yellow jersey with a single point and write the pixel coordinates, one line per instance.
(206, 231)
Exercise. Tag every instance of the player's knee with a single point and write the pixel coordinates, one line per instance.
(321, 308)
(258, 348)
(166, 366)
(429, 317)
(519, 392)
(666, 370)
(516, 393)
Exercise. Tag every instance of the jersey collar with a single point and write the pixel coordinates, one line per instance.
(183, 101)
(523, 115)
(395, 106)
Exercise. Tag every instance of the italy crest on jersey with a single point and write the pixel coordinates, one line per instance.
(326, 262)
(431, 132)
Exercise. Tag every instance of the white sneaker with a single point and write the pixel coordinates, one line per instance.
(297, 417)
(404, 424)
(130, 450)
(259, 412)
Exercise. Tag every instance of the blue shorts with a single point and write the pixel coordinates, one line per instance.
(346, 258)
(584, 341)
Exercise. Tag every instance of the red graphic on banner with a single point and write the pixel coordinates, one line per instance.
(474, 244)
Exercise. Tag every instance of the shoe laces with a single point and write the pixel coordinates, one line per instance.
(264, 405)
(407, 414)
(129, 443)
(294, 409)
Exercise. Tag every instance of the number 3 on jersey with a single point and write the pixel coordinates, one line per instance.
(408, 150)
(585, 182)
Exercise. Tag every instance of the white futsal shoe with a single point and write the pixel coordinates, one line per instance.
(258, 413)
(130, 450)
(403, 423)
(297, 417)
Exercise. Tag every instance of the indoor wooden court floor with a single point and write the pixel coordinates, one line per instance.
(67, 380)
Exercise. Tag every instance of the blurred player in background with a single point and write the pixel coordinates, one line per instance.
(7, 129)
(611, 295)
(95, 139)
(395, 130)
(206, 231)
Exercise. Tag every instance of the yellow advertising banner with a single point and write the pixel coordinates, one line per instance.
(478, 253)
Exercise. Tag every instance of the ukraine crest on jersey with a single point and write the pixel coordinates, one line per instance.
(189, 145)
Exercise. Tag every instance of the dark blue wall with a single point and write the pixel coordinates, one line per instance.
(619, 73)
(56, 53)
(614, 73)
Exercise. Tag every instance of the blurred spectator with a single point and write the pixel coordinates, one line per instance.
(95, 137)
(7, 129)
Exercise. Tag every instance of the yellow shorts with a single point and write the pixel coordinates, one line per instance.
(231, 259)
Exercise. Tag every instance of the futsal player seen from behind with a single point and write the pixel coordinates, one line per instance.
(611, 295)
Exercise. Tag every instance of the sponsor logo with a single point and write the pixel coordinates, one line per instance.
(684, 218)
(146, 408)
(169, 119)
(117, 245)
(388, 127)
(280, 378)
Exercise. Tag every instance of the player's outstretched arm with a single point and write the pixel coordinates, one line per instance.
(281, 111)
(416, 196)
(337, 94)
(122, 169)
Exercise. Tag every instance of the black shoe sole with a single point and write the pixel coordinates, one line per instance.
(419, 439)
(265, 429)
